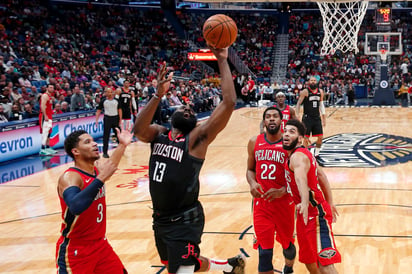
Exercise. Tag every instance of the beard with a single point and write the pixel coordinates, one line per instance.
(185, 125)
(313, 86)
(273, 131)
(291, 146)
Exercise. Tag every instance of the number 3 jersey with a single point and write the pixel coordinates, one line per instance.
(91, 223)
(173, 174)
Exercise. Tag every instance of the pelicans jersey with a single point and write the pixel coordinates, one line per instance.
(275, 217)
(285, 116)
(91, 223)
(316, 240)
(82, 246)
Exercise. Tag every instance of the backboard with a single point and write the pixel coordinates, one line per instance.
(376, 42)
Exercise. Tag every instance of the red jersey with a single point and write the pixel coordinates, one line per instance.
(315, 194)
(285, 117)
(270, 159)
(91, 223)
(49, 107)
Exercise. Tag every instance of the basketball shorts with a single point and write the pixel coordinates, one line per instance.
(316, 240)
(178, 237)
(273, 218)
(313, 125)
(45, 126)
(85, 257)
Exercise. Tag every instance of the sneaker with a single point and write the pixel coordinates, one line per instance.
(238, 262)
(50, 150)
(44, 152)
(105, 155)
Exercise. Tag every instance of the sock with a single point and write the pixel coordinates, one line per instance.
(317, 149)
(222, 265)
(43, 147)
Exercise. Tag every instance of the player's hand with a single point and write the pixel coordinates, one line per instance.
(335, 213)
(163, 83)
(221, 54)
(125, 137)
(303, 209)
(274, 193)
(256, 190)
(105, 169)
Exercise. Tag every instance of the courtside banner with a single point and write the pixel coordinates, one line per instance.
(27, 141)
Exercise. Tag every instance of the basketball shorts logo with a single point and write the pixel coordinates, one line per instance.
(327, 254)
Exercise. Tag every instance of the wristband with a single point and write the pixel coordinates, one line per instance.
(156, 96)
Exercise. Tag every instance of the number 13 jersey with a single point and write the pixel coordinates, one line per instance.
(173, 174)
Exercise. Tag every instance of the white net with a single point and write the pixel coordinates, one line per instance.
(341, 23)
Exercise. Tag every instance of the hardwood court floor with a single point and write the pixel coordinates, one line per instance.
(373, 232)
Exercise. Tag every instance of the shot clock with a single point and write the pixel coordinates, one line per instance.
(383, 16)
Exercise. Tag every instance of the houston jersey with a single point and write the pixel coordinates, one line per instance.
(91, 223)
(270, 159)
(124, 100)
(315, 194)
(311, 103)
(173, 174)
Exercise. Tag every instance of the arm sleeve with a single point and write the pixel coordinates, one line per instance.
(78, 200)
(322, 108)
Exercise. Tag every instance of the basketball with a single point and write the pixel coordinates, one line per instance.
(220, 31)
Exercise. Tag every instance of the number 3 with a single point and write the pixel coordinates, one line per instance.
(100, 212)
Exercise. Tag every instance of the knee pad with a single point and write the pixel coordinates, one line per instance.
(265, 260)
(290, 252)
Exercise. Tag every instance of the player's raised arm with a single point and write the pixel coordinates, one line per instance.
(143, 130)
(208, 130)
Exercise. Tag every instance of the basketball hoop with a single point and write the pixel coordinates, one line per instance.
(383, 54)
(341, 23)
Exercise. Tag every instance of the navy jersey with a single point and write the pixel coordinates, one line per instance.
(125, 104)
(173, 174)
(311, 103)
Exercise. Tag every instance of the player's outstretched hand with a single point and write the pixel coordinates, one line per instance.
(105, 169)
(221, 54)
(125, 137)
(163, 82)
